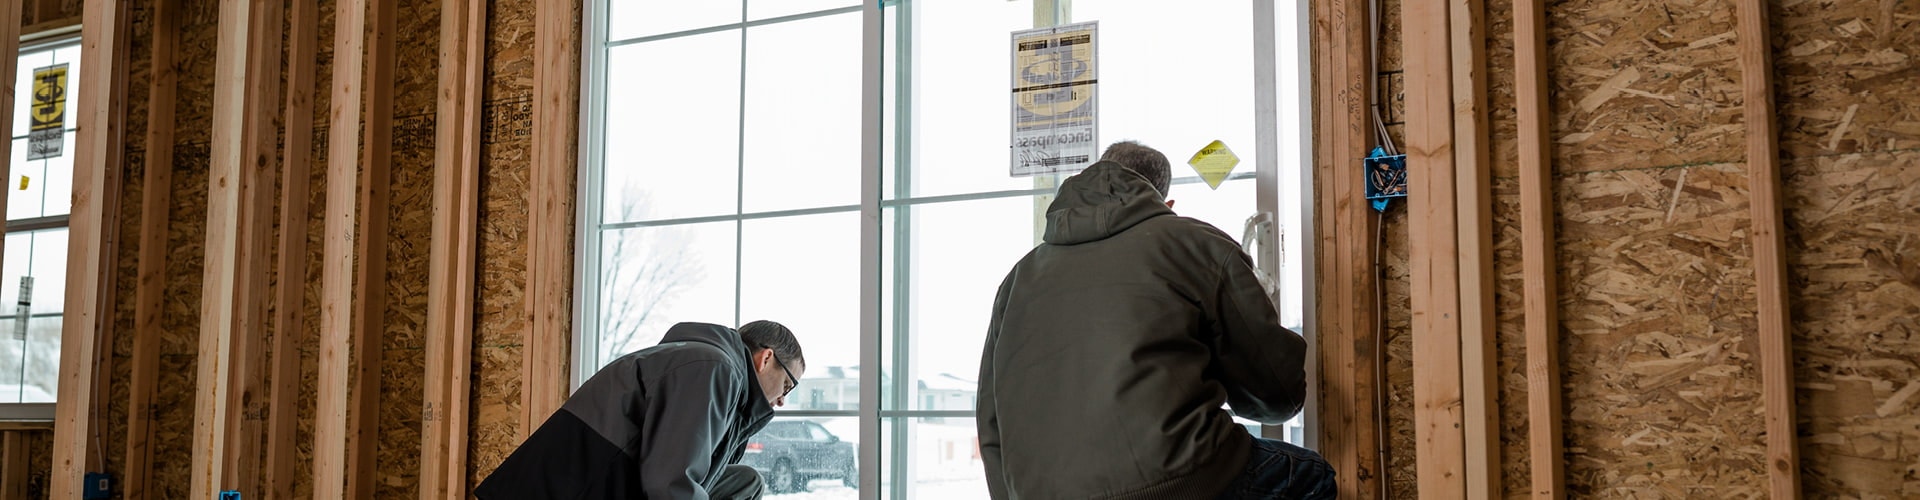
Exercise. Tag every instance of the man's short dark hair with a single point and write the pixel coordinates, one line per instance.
(1143, 160)
(765, 334)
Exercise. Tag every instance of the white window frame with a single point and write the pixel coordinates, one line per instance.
(592, 161)
(36, 414)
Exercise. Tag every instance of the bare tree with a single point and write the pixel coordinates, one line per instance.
(642, 272)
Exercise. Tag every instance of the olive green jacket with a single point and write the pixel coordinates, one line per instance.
(1113, 346)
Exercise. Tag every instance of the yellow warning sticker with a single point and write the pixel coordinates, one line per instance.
(1214, 163)
(23, 183)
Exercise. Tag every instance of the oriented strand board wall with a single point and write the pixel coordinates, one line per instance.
(1657, 291)
(409, 225)
(39, 452)
(1658, 295)
(187, 220)
(1509, 308)
(506, 150)
(1850, 142)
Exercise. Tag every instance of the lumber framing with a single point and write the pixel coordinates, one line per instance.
(230, 405)
(1439, 452)
(156, 200)
(1769, 248)
(353, 298)
(1479, 357)
(296, 172)
(545, 351)
(1538, 264)
(91, 224)
(1348, 285)
(13, 444)
(455, 240)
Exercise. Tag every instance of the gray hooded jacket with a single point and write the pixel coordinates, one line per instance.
(659, 423)
(1113, 345)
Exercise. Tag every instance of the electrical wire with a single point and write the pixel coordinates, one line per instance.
(1374, 98)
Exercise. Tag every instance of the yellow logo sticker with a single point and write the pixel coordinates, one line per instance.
(47, 114)
(1214, 163)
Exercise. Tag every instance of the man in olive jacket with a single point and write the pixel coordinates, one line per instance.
(1114, 343)
(667, 422)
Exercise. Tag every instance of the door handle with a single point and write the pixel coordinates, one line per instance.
(1259, 232)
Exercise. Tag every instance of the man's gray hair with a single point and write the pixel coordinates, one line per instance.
(765, 334)
(1143, 160)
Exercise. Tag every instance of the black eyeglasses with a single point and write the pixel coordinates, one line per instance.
(792, 381)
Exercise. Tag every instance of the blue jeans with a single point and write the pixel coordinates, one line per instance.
(1277, 470)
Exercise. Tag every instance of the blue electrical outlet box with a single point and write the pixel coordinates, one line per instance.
(230, 495)
(1386, 177)
(98, 485)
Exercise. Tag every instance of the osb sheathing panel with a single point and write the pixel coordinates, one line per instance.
(1657, 305)
(1389, 83)
(1509, 309)
(506, 152)
(1849, 122)
(1397, 285)
(179, 351)
(1503, 134)
(1846, 75)
(172, 457)
(1855, 268)
(1640, 83)
(409, 226)
(1509, 306)
(126, 253)
(40, 458)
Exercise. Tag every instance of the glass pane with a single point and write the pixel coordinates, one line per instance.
(803, 272)
(943, 460)
(1146, 96)
(638, 18)
(30, 369)
(803, 114)
(960, 253)
(23, 90)
(1226, 208)
(763, 9)
(959, 97)
(673, 136)
(25, 203)
(43, 255)
(56, 177)
(653, 277)
(796, 465)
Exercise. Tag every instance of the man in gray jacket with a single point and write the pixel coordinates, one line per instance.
(667, 422)
(1114, 343)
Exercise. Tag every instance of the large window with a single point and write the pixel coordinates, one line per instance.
(38, 203)
(724, 183)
